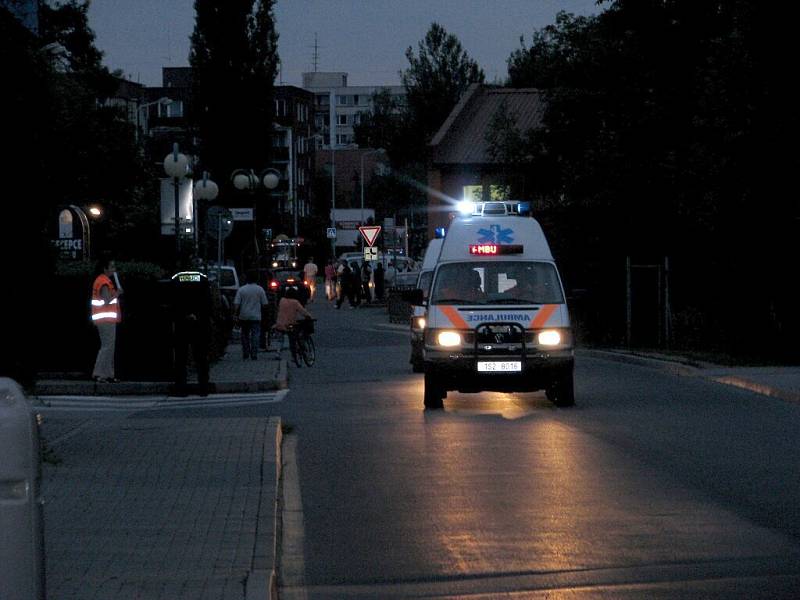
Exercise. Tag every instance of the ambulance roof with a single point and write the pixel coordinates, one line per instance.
(432, 254)
(522, 236)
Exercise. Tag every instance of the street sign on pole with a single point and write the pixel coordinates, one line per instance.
(219, 222)
(370, 233)
(331, 233)
(370, 253)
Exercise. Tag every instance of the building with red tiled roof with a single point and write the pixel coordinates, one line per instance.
(461, 162)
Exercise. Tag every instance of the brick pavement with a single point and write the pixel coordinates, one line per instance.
(160, 508)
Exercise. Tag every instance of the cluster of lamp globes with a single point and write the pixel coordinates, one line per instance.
(176, 166)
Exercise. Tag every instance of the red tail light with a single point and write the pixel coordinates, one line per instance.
(274, 284)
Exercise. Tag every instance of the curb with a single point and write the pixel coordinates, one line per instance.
(278, 514)
(281, 381)
(758, 388)
(679, 364)
(686, 367)
(155, 388)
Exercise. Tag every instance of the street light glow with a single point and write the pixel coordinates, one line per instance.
(95, 211)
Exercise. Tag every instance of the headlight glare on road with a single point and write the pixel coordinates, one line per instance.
(449, 338)
(549, 337)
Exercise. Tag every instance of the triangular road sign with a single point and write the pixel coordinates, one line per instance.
(370, 233)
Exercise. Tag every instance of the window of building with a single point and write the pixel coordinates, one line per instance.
(323, 100)
(341, 119)
(344, 100)
(280, 108)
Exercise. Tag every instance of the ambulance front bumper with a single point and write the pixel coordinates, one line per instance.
(459, 370)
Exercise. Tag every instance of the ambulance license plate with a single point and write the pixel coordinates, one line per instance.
(496, 366)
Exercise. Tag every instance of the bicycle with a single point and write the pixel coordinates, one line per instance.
(301, 342)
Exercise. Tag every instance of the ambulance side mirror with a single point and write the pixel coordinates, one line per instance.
(414, 297)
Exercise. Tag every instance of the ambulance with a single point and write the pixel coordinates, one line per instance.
(496, 315)
(423, 283)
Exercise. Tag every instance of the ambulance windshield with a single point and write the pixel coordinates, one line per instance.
(512, 283)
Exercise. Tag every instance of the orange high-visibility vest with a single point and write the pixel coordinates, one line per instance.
(102, 311)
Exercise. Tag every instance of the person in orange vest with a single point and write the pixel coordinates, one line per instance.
(105, 316)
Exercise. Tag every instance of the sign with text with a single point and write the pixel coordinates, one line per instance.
(370, 233)
(331, 233)
(242, 214)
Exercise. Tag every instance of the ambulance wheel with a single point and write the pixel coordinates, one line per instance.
(434, 393)
(562, 392)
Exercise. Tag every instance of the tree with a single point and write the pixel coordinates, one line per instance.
(234, 60)
(379, 128)
(437, 76)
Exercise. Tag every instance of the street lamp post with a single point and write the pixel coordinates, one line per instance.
(247, 180)
(176, 165)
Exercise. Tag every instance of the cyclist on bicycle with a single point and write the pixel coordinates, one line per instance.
(289, 311)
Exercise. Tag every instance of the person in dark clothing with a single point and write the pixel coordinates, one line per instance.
(191, 315)
(345, 281)
(378, 278)
(355, 283)
(366, 276)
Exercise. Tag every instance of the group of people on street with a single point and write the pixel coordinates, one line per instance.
(191, 308)
(353, 281)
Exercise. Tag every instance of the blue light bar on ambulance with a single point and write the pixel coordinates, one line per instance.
(439, 232)
(495, 249)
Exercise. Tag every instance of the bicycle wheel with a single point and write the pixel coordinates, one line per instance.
(309, 351)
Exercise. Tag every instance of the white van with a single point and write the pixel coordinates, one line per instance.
(496, 315)
(418, 311)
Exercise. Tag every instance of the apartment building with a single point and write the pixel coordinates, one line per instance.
(350, 104)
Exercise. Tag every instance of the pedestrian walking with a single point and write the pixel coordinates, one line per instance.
(330, 281)
(310, 277)
(378, 278)
(366, 277)
(355, 283)
(248, 304)
(106, 314)
(345, 284)
(191, 315)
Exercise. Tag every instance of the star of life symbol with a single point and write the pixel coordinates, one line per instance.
(495, 235)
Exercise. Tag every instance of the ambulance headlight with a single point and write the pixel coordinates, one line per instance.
(449, 338)
(549, 337)
(466, 207)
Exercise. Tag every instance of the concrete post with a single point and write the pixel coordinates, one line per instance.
(21, 519)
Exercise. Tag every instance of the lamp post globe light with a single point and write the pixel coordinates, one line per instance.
(247, 180)
(176, 166)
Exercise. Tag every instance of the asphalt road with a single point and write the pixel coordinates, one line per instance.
(655, 485)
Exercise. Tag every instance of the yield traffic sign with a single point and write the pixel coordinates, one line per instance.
(370, 233)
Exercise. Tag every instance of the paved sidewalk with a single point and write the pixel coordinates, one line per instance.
(229, 375)
(162, 508)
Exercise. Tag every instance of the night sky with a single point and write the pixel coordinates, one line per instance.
(366, 38)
